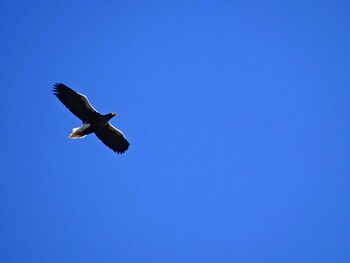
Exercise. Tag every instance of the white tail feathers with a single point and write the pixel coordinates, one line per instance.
(77, 133)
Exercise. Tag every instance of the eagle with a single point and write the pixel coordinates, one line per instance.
(93, 121)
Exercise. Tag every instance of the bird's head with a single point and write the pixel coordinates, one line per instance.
(111, 115)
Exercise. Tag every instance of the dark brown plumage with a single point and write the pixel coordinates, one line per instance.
(93, 121)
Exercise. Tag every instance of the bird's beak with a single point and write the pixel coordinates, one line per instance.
(114, 114)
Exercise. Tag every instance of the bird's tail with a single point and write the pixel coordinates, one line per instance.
(78, 133)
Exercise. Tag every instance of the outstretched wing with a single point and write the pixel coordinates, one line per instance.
(113, 138)
(77, 103)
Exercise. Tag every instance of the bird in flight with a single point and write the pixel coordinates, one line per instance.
(93, 121)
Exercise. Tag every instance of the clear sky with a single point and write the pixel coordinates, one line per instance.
(238, 117)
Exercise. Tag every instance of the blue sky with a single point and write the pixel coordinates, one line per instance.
(238, 117)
